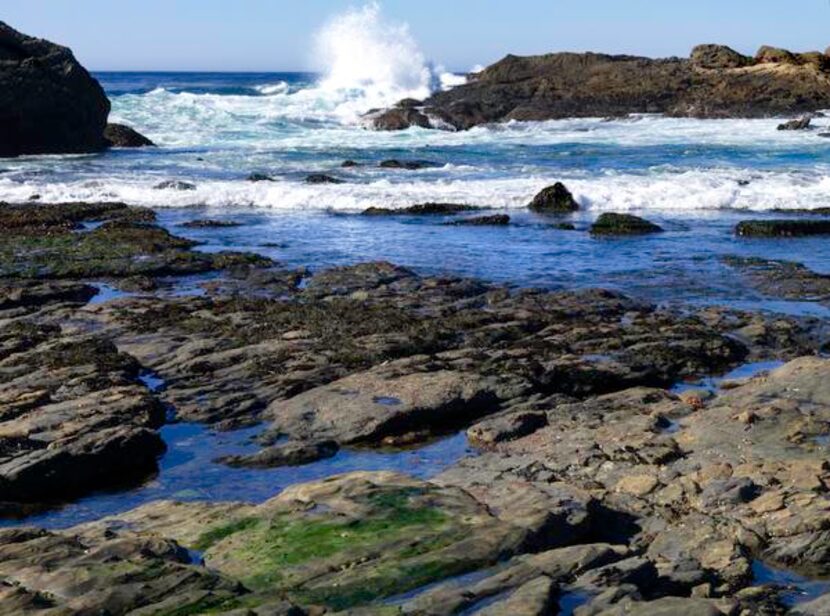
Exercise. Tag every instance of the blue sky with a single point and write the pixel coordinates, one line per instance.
(261, 35)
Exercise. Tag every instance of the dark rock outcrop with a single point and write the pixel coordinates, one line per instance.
(421, 209)
(122, 136)
(782, 228)
(556, 199)
(496, 220)
(49, 104)
(718, 56)
(623, 224)
(259, 177)
(715, 82)
(797, 124)
(322, 178)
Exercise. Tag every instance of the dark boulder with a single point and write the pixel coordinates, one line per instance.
(623, 224)
(718, 56)
(403, 115)
(556, 199)
(322, 178)
(782, 228)
(122, 136)
(797, 124)
(49, 104)
(350, 163)
(174, 185)
(410, 165)
(259, 177)
(496, 220)
(422, 209)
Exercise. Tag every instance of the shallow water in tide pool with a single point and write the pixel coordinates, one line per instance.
(187, 472)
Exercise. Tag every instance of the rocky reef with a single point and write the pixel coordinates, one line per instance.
(715, 82)
(597, 484)
(50, 104)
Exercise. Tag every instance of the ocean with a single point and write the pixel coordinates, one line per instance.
(696, 178)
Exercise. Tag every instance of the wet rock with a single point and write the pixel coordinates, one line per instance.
(73, 417)
(209, 224)
(286, 454)
(623, 224)
(122, 136)
(342, 542)
(718, 57)
(798, 124)
(422, 209)
(174, 185)
(782, 278)
(373, 405)
(497, 220)
(782, 228)
(117, 574)
(322, 178)
(117, 248)
(532, 598)
(667, 606)
(350, 163)
(564, 226)
(398, 118)
(556, 199)
(410, 165)
(259, 177)
(49, 104)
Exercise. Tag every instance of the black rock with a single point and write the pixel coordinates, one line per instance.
(322, 178)
(410, 165)
(782, 228)
(259, 177)
(350, 163)
(497, 220)
(798, 124)
(49, 104)
(623, 224)
(556, 199)
(564, 226)
(174, 185)
(122, 136)
(422, 209)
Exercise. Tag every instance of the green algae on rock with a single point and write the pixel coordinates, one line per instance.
(623, 224)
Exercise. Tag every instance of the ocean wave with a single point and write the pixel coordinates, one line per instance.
(666, 191)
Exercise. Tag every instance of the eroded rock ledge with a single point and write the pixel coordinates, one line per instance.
(715, 82)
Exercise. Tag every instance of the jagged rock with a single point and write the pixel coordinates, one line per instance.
(799, 124)
(775, 55)
(259, 177)
(564, 85)
(49, 104)
(121, 136)
(174, 185)
(718, 56)
(556, 199)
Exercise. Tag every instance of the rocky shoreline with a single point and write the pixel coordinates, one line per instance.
(598, 483)
(714, 82)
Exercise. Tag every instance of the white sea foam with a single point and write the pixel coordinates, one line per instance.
(665, 190)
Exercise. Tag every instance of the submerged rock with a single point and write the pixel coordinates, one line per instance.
(259, 177)
(422, 209)
(496, 220)
(411, 165)
(121, 136)
(49, 104)
(623, 224)
(322, 178)
(295, 453)
(556, 199)
(782, 228)
(209, 223)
